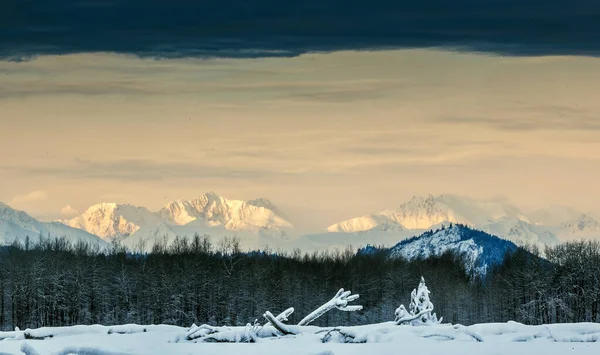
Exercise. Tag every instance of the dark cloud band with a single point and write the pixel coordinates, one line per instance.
(259, 28)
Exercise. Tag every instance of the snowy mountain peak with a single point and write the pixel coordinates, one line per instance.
(422, 212)
(111, 220)
(582, 224)
(17, 225)
(421, 199)
(429, 210)
(213, 210)
(8, 213)
(265, 203)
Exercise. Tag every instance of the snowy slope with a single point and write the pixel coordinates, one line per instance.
(381, 339)
(481, 250)
(522, 232)
(369, 222)
(17, 225)
(567, 223)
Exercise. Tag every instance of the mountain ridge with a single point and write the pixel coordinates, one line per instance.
(17, 225)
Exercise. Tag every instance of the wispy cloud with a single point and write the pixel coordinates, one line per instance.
(561, 119)
(33, 196)
(136, 170)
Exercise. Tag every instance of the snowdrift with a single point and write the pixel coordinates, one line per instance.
(384, 338)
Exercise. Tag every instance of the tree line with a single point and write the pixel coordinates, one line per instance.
(56, 283)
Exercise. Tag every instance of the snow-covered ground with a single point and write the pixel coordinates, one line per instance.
(386, 338)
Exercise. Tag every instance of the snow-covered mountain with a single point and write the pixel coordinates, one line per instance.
(554, 216)
(521, 232)
(212, 210)
(210, 213)
(16, 225)
(480, 250)
(111, 220)
(498, 218)
(582, 227)
(423, 212)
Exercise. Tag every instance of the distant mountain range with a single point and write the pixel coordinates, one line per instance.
(259, 222)
(422, 213)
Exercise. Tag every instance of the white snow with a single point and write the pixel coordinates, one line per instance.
(384, 338)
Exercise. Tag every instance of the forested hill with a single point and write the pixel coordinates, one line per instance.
(56, 284)
(479, 251)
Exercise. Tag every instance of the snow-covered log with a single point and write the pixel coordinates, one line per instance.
(274, 326)
(249, 334)
(204, 330)
(209, 334)
(339, 301)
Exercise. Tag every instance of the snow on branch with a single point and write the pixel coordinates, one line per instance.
(278, 324)
(283, 316)
(420, 308)
(339, 301)
(405, 318)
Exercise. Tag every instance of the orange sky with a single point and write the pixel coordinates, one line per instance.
(325, 136)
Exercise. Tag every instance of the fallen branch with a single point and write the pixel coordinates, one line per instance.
(283, 316)
(339, 301)
(279, 325)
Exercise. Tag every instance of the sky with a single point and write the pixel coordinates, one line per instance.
(328, 127)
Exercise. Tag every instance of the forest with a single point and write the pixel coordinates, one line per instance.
(55, 283)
